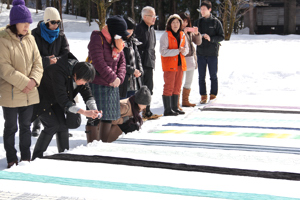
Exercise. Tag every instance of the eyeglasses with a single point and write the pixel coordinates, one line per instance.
(54, 22)
(153, 16)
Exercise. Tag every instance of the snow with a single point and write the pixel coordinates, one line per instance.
(253, 69)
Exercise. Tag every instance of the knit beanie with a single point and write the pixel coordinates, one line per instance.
(117, 26)
(143, 96)
(19, 13)
(51, 14)
(130, 22)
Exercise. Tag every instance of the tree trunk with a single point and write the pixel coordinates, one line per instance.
(8, 3)
(161, 22)
(132, 10)
(290, 16)
(72, 10)
(60, 13)
(47, 3)
(88, 13)
(251, 18)
(38, 5)
(67, 7)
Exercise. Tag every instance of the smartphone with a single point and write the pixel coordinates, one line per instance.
(189, 29)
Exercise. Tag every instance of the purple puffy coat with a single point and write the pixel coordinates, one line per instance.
(100, 53)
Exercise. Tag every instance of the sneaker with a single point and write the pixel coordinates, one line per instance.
(203, 99)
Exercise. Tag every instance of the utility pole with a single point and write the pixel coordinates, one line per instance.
(199, 8)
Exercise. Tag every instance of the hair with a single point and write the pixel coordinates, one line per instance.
(207, 4)
(85, 71)
(146, 9)
(185, 16)
(168, 27)
(13, 29)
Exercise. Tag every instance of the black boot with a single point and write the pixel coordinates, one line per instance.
(41, 145)
(36, 127)
(105, 127)
(92, 130)
(148, 112)
(175, 104)
(62, 141)
(167, 104)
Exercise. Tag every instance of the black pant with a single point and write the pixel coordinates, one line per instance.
(11, 115)
(148, 78)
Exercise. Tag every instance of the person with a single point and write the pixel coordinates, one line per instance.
(106, 54)
(207, 53)
(173, 49)
(145, 33)
(134, 69)
(130, 119)
(52, 44)
(192, 36)
(60, 84)
(21, 71)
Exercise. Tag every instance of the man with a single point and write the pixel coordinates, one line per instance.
(145, 33)
(212, 31)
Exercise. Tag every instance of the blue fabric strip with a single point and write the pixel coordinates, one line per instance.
(18, 176)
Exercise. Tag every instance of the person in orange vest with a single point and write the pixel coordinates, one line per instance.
(173, 49)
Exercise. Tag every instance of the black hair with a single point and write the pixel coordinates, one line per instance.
(185, 16)
(168, 28)
(13, 29)
(207, 4)
(85, 71)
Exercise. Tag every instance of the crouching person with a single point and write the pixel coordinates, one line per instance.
(60, 84)
(130, 119)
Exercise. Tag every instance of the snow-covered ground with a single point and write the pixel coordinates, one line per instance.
(253, 70)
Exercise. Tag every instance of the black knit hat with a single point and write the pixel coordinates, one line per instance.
(117, 26)
(130, 22)
(143, 96)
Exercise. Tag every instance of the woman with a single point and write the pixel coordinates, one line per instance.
(52, 44)
(192, 36)
(134, 69)
(173, 48)
(60, 84)
(105, 53)
(21, 71)
(130, 119)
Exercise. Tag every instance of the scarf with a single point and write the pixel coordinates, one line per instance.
(108, 38)
(48, 35)
(177, 36)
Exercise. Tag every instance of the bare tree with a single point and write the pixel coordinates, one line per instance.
(47, 3)
(161, 16)
(251, 16)
(38, 5)
(132, 10)
(88, 13)
(8, 4)
(102, 6)
(290, 10)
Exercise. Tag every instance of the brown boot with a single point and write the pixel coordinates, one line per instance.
(105, 128)
(185, 98)
(92, 133)
(203, 99)
(212, 97)
(114, 133)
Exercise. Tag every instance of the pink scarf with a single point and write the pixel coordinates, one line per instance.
(108, 38)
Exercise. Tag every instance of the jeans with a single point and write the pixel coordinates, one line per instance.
(212, 63)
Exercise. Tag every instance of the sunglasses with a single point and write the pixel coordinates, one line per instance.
(54, 22)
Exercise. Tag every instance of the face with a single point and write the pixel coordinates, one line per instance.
(53, 25)
(22, 28)
(184, 24)
(175, 25)
(142, 107)
(129, 31)
(150, 18)
(79, 81)
(205, 12)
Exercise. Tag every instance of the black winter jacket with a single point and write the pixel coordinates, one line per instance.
(212, 27)
(146, 35)
(59, 47)
(130, 79)
(57, 86)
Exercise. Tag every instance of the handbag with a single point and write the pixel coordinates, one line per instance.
(73, 120)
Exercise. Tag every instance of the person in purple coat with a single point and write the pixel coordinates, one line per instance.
(106, 54)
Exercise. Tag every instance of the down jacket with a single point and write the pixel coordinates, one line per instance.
(20, 61)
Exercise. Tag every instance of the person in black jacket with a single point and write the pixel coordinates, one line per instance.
(207, 53)
(134, 69)
(145, 33)
(60, 84)
(52, 44)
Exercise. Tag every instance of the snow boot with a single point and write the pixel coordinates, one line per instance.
(92, 132)
(62, 141)
(203, 99)
(148, 115)
(41, 145)
(212, 97)
(114, 133)
(105, 128)
(167, 105)
(36, 129)
(174, 100)
(185, 98)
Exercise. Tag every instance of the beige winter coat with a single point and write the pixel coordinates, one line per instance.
(20, 61)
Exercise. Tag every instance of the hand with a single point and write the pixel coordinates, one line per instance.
(26, 90)
(89, 113)
(137, 73)
(206, 37)
(31, 84)
(116, 83)
(196, 30)
(52, 59)
(181, 50)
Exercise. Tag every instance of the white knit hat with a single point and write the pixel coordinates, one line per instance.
(176, 16)
(51, 14)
